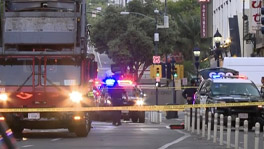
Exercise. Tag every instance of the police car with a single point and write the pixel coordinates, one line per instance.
(226, 86)
(136, 97)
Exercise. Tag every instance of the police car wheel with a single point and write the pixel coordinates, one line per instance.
(134, 119)
(141, 117)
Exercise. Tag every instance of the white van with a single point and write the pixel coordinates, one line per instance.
(252, 67)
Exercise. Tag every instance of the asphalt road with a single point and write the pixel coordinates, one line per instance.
(131, 136)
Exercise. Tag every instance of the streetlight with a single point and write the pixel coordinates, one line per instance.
(196, 53)
(218, 52)
(156, 35)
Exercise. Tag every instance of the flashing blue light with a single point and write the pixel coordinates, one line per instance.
(110, 82)
(216, 76)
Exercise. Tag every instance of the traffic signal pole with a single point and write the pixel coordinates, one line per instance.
(173, 90)
(156, 40)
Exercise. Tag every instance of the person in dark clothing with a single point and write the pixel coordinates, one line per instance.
(116, 93)
(188, 93)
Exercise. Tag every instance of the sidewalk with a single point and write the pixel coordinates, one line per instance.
(193, 141)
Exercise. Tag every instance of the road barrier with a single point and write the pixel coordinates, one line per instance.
(237, 132)
(132, 108)
(245, 134)
(257, 125)
(209, 125)
(212, 123)
(221, 128)
(215, 126)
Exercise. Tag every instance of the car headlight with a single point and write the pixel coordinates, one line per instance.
(139, 102)
(76, 96)
(108, 102)
(3, 97)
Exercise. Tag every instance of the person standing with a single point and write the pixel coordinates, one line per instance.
(188, 93)
(116, 92)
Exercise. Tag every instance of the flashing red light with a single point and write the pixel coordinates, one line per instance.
(125, 82)
(242, 77)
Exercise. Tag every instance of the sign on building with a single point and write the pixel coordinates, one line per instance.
(254, 15)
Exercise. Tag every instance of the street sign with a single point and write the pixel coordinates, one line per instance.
(157, 79)
(156, 59)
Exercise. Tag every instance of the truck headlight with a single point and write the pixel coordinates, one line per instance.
(139, 102)
(3, 97)
(76, 96)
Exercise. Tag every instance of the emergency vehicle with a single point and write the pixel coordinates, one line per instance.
(136, 97)
(44, 64)
(227, 86)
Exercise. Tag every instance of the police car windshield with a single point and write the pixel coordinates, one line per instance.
(243, 89)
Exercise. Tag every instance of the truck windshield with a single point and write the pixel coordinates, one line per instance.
(18, 69)
(61, 71)
(243, 89)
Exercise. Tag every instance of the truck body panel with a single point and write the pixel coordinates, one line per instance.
(43, 61)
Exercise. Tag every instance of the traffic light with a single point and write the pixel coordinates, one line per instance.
(174, 71)
(155, 71)
(158, 71)
(180, 71)
(262, 20)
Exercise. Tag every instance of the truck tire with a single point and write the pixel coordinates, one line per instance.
(83, 128)
(141, 117)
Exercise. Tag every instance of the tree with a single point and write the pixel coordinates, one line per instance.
(186, 14)
(128, 40)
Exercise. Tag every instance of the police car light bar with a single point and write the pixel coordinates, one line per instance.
(217, 76)
(125, 82)
(240, 77)
(110, 82)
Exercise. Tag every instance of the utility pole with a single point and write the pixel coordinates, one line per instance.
(156, 40)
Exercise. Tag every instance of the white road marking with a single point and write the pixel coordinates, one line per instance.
(25, 146)
(148, 129)
(57, 139)
(186, 135)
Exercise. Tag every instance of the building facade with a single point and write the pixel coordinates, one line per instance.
(226, 16)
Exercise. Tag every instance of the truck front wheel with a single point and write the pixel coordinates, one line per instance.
(83, 128)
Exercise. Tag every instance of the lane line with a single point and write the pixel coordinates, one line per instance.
(26, 146)
(57, 139)
(186, 135)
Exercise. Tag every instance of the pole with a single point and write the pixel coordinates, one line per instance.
(156, 53)
(243, 26)
(173, 89)
(197, 75)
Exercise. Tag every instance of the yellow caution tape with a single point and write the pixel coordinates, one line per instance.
(132, 108)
